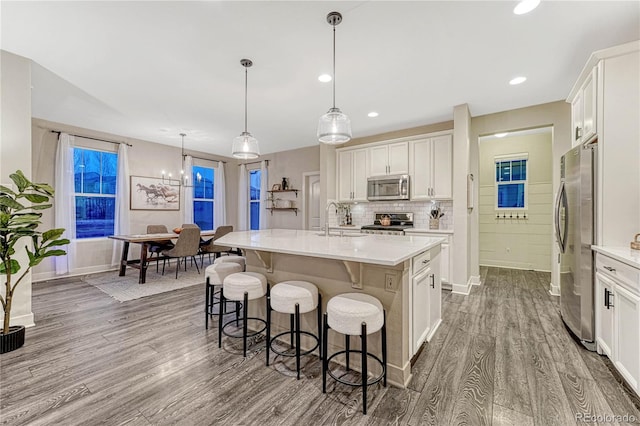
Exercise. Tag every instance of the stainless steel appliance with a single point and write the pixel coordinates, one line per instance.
(397, 223)
(381, 188)
(574, 223)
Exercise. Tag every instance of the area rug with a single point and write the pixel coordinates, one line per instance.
(127, 288)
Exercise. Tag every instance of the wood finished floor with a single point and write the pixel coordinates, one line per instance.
(501, 357)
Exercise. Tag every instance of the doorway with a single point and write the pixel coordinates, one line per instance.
(516, 199)
(311, 201)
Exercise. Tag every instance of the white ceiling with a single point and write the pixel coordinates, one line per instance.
(150, 70)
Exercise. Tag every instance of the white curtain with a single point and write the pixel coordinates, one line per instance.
(243, 199)
(219, 204)
(187, 212)
(64, 200)
(264, 182)
(122, 216)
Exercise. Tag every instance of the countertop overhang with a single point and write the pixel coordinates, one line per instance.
(388, 250)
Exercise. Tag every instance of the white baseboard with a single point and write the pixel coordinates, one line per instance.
(51, 275)
(27, 320)
(462, 288)
(554, 290)
(433, 330)
(474, 279)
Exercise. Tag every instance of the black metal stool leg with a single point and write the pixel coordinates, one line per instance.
(220, 319)
(384, 347)
(244, 324)
(238, 312)
(347, 344)
(298, 340)
(206, 304)
(291, 327)
(319, 309)
(325, 332)
(365, 377)
(268, 327)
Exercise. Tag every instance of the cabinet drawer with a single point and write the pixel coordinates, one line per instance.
(420, 262)
(622, 273)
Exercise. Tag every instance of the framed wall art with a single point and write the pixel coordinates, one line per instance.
(150, 193)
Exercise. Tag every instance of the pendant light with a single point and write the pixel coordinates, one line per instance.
(334, 127)
(245, 146)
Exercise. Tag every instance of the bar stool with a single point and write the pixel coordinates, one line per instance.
(214, 276)
(294, 298)
(240, 260)
(243, 286)
(355, 314)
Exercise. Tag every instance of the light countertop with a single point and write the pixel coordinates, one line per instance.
(623, 254)
(365, 248)
(429, 231)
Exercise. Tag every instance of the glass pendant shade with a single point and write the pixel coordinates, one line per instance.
(245, 147)
(334, 127)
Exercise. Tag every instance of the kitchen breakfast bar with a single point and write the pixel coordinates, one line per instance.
(400, 271)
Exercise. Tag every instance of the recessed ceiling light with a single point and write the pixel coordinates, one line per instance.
(325, 78)
(517, 80)
(501, 135)
(525, 6)
(373, 114)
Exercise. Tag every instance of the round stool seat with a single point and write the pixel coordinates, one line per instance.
(240, 260)
(253, 283)
(218, 272)
(286, 294)
(346, 313)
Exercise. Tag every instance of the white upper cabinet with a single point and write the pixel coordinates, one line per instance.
(352, 175)
(584, 110)
(431, 167)
(391, 159)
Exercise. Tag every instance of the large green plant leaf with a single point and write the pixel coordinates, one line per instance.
(42, 206)
(14, 266)
(6, 191)
(20, 180)
(36, 198)
(11, 203)
(52, 234)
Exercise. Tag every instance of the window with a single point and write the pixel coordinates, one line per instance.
(203, 196)
(511, 182)
(95, 192)
(254, 198)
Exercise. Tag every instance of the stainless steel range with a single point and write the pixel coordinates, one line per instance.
(389, 224)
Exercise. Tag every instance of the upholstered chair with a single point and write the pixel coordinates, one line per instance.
(210, 247)
(187, 246)
(158, 246)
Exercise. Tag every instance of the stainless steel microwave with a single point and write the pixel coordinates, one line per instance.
(388, 188)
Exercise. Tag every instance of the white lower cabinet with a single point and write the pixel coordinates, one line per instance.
(626, 328)
(604, 314)
(425, 298)
(445, 258)
(617, 308)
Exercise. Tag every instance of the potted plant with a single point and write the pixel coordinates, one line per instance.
(18, 221)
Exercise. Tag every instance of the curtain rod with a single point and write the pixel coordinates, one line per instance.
(95, 139)
(255, 162)
(206, 159)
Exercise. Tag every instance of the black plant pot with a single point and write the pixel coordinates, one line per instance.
(13, 340)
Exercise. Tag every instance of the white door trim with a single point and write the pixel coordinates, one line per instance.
(303, 201)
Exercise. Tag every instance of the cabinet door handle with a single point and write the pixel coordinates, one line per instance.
(433, 280)
(424, 262)
(578, 132)
(607, 298)
(609, 268)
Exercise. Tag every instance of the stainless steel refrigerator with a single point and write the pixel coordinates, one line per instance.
(574, 222)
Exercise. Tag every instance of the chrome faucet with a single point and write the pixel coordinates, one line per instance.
(326, 215)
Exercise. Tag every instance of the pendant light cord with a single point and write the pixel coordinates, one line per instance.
(334, 66)
(246, 76)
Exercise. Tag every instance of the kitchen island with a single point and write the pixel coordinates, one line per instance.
(401, 271)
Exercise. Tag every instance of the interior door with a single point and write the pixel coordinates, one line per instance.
(313, 203)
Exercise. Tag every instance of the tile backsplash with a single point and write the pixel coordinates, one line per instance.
(364, 213)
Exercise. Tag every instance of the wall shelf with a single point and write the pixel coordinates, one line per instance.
(285, 190)
(294, 209)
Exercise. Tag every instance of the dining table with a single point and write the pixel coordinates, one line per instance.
(144, 240)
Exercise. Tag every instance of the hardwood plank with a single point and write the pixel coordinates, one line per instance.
(395, 408)
(511, 386)
(474, 401)
(503, 416)
(585, 398)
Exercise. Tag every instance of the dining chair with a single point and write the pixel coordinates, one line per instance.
(158, 246)
(211, 247)
(187, 245)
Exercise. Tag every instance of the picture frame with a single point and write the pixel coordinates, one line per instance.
(276, 187)
(153, 193)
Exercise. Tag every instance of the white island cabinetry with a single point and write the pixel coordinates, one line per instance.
(618, 310)
(383, 266)
(445, 250)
